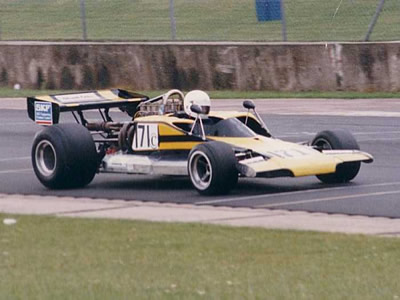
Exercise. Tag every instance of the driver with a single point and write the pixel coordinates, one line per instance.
(198, 98)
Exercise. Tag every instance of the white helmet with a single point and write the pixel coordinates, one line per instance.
(199, 98)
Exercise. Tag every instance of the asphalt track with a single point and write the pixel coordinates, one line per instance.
(374, 192)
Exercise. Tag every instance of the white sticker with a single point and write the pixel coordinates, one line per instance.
(290, 153)
(43, 113)
(78, 98)
(146, 137)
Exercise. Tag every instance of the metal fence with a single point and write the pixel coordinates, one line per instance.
(212, 20)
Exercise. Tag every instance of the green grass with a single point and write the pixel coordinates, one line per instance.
(63, 258)
(307, 20)
(9, 92)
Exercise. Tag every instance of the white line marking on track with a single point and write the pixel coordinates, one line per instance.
(15, 158)
(383, 114)
(309, 191)
(15, 171)
(291, 134)
(376, 132)
(329, 199)
(378, 139)
(15, 123)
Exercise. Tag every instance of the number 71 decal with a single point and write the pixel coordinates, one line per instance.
(146, 137)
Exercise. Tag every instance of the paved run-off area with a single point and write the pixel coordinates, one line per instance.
(169, 212)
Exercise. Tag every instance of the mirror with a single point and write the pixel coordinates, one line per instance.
(198, 111)
(249, 104)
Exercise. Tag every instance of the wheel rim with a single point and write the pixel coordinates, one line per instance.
(323, 144)
(200, 170)
(46, 158)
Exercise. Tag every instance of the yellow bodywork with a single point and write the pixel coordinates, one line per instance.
(275, 155)
(299, 160)
(166, 128)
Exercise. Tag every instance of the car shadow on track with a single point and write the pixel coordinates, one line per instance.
(179, 189)
(250, 187)
(179, 184)
(150, 185)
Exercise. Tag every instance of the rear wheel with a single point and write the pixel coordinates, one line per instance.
(64, 156)
(212, 168)
(338, 140)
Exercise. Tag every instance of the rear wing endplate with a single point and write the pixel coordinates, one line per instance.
(45, 110)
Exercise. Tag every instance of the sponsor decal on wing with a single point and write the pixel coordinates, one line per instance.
(78, 98)
(290, 153)
(43, 113)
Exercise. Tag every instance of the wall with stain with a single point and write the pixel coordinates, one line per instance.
(198, 65)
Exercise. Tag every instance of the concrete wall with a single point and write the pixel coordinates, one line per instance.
(197, 65)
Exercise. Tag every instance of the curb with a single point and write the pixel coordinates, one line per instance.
(186, 213)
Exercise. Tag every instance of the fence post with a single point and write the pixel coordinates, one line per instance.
(374, 19)
(283, 21)
(172, 19)
(83, 20)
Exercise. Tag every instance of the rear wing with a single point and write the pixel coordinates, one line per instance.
(45, 110)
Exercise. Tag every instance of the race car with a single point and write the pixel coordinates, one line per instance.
(176, 134)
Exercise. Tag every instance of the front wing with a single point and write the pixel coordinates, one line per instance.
(323, 163)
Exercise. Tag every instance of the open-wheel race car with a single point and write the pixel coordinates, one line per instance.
(176, 134)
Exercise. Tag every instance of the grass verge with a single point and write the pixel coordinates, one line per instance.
(311, 20)
(63, 258)
(9, 92)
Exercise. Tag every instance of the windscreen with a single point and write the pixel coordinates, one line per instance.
(227, 128)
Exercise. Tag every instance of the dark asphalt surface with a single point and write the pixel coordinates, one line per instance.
(374, 192)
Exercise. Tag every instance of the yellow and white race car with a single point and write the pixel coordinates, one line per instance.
(176, 134)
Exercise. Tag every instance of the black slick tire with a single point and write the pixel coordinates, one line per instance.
(212, 168)
(64, 156)
(338, 140)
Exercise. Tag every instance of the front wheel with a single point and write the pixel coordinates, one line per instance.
(64, 156)
(338, 140)
(212, 168)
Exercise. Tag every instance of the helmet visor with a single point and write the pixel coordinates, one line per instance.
(205, 110)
